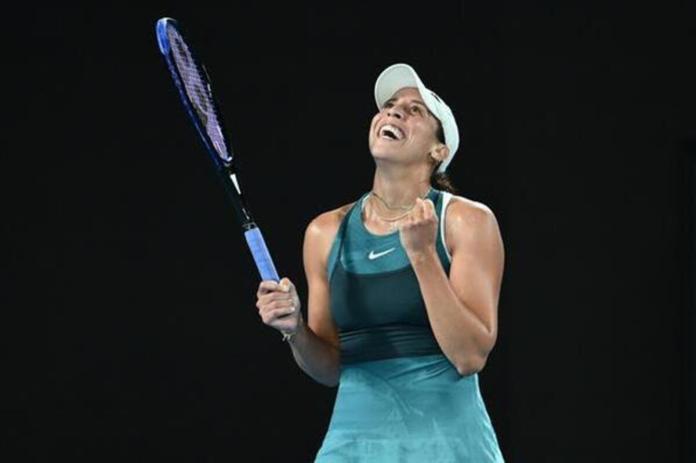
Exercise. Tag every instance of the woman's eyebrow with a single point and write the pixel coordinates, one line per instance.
(391, 100)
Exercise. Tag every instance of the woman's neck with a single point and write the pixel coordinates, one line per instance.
(399, 191)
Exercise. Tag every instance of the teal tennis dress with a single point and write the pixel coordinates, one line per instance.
(399, 399)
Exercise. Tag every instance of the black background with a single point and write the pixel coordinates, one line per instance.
(128, 327)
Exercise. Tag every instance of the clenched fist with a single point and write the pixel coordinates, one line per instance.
(279, 305)
(419, 230)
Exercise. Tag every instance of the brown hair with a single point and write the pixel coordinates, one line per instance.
(441, 180)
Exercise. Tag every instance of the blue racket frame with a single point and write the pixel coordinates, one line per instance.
(225, 167)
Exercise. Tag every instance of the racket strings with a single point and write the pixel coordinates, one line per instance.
(198, 91)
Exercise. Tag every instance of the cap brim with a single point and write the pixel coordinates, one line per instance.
(393, 79)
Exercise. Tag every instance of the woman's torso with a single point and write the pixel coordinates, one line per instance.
(375, 297)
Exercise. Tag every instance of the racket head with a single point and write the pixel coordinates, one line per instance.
(193, 84)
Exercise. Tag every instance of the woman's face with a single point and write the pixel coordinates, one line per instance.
(404, 129)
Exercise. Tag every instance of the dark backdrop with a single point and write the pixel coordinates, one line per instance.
(128, 327)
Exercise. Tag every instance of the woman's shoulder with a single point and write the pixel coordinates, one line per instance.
(467, 215)
(461, 205)
(472, 229)
(320, 234)
(325, 225)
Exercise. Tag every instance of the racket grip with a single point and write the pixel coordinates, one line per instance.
(261, 255)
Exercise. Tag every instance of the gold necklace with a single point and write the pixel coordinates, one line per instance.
(390, 220)
(401, 208)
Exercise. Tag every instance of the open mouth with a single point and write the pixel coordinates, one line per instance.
(390, 132)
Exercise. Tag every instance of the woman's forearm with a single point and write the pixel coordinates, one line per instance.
(316, 357)
(463, 337)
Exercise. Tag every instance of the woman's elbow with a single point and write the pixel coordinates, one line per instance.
(470, 366)
(329, 381)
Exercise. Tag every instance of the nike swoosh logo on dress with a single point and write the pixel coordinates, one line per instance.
(374, 255)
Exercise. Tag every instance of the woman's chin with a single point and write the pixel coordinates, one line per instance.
(379, 150)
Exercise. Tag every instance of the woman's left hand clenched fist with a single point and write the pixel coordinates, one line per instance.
(418, 230)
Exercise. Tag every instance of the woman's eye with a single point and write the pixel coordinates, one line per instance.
(415, 109)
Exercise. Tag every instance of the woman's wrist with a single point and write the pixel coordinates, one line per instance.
(289, 336)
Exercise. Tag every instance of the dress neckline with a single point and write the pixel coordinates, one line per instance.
(432, 194)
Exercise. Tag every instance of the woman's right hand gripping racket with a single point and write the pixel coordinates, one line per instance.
(196, 94)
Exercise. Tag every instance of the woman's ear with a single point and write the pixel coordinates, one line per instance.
(439, 153)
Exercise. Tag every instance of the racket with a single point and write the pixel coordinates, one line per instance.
(195, 91)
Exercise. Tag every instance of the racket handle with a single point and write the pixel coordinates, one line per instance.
(261, 255)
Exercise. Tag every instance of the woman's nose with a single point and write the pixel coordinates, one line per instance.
(395, 111)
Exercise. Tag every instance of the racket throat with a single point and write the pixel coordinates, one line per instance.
(238, 202)
(233, 177)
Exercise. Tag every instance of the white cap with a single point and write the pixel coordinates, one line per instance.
(398, 76)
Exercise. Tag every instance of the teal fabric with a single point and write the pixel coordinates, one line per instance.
(399, 398)
(353, 242)
(376, 303)
(410, 409)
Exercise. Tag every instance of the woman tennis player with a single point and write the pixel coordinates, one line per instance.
(403, 296)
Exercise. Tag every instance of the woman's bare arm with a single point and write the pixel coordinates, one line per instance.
(314, 343)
